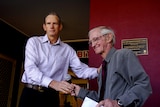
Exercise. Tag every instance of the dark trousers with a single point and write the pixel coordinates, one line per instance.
(34, 98)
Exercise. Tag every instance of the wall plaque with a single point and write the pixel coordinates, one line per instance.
(138, 45)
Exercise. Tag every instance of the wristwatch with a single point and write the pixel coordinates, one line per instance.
(120, 103)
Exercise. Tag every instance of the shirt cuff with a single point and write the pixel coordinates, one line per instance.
(46, 81)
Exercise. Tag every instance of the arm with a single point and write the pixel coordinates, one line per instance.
(32, 72)
(138, 79)
(34, 75)
(82, 93)
(81, 69)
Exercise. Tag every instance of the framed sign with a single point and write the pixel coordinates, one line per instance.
(138, 45)
(81, 47)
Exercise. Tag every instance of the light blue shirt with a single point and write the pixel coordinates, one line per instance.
(45, 62)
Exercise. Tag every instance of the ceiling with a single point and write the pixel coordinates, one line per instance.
(27, 16)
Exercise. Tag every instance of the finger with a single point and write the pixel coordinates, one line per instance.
(66, 87)
(100, 104)
(73, 93)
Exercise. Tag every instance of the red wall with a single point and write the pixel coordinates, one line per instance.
(131, 19)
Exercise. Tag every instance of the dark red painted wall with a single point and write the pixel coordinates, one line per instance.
(131, 19)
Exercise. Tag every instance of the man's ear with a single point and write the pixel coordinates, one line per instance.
(61, 27)
(44, 27)
(109, 38)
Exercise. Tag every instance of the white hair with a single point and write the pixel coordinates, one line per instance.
(105, 30)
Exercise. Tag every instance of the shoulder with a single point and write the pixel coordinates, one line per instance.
(66, 45)
(35, 38)
(32, 38)
(124, 51)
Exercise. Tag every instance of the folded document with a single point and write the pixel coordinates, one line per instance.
(89, 102)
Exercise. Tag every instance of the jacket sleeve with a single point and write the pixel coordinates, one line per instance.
(87, 93)
(138, 79)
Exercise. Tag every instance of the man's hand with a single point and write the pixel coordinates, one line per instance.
(76, 90)
(108, 103)
(62, 86)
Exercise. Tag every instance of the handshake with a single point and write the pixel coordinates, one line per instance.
(87, 102)
(71, 88)
(65, 86)
(68, 87)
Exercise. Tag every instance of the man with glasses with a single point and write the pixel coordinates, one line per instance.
(126, 83)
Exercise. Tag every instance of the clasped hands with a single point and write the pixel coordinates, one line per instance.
(103, 103)
(73, 90)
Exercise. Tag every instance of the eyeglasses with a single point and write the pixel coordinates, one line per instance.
(94, 40)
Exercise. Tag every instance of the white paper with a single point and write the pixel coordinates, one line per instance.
(89, 102)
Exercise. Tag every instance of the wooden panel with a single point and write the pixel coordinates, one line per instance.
(7, 71)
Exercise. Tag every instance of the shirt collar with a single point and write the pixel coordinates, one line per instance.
(45, 40)
(108, 57)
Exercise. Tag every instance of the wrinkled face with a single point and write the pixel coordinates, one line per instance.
(52, 25)
(97, 41)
